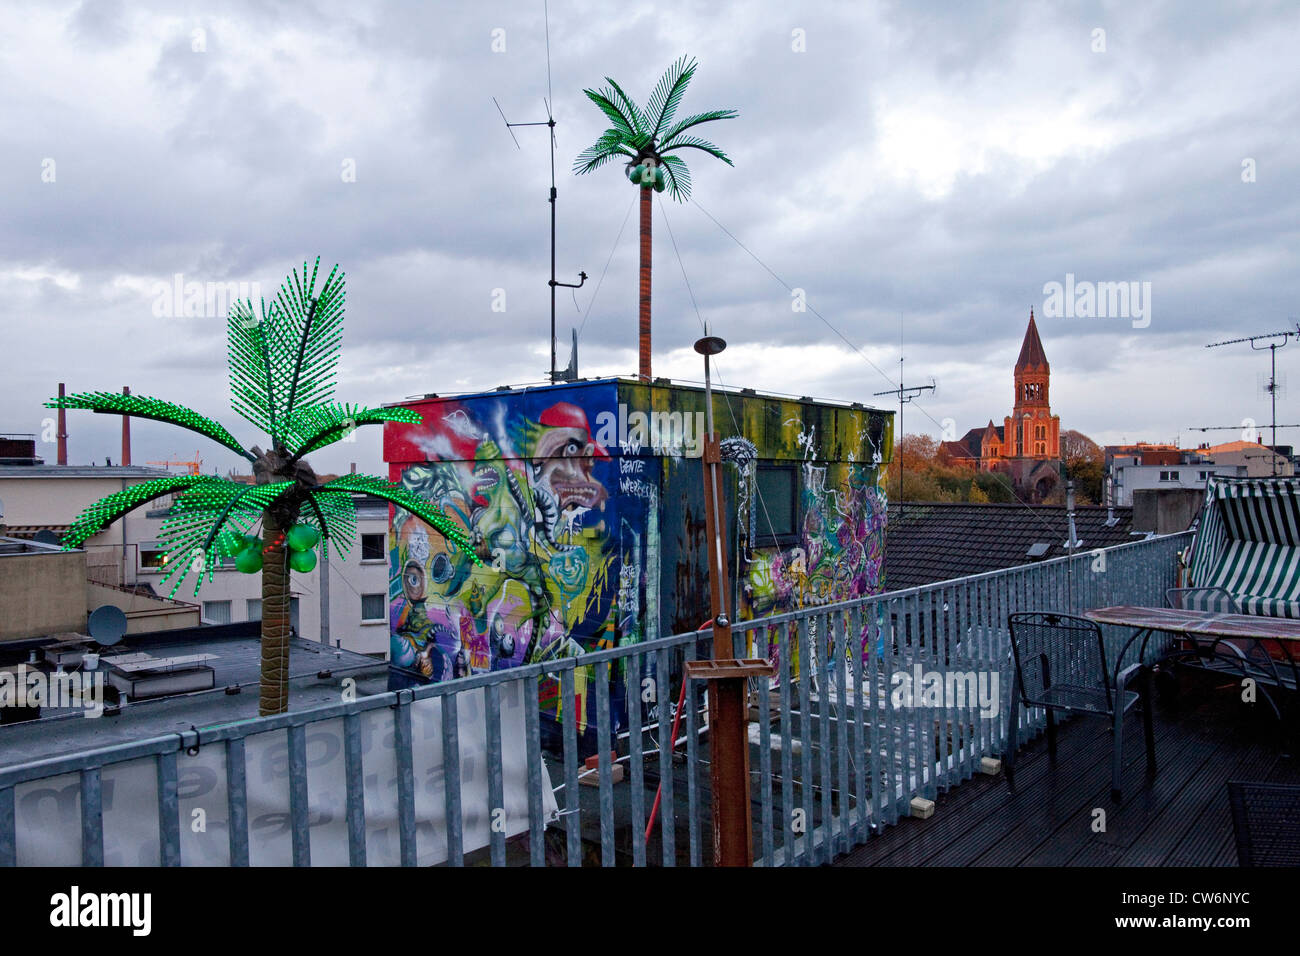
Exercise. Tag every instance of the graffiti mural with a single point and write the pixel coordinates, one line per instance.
(564, 550)
(840, 554)
(532, 493)
(585, 504)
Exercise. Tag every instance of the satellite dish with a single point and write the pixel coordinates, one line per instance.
(107, 624)
(45, 536)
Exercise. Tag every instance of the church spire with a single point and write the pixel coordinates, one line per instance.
(1031, 351)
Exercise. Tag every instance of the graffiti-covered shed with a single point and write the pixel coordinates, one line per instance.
(586, 502)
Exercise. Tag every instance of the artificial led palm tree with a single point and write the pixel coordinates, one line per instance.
(648, 140)
(282, 370)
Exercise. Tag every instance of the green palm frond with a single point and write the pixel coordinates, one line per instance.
(625, 103)
(696, 120)
(205, 523)
(286, 357)
(253, 381)
(141, 406)
(668, 95)
(694, 142)
(628, 125)
(334, 514)
(315, 321)
(652, 133)
(104, 512)
(677, 178)
(611, 145)
(408, 501)
(316, 426)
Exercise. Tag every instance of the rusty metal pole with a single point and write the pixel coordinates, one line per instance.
(733, 841)
(63, 429)
(126, 433)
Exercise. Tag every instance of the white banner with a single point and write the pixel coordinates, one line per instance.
(48, 812)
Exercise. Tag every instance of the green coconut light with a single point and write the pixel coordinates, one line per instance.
(302, 537)
(249, 561)
(302, 561)
(283, 358)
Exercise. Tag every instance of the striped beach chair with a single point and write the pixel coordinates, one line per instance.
(1245, 559)
(1247, 543)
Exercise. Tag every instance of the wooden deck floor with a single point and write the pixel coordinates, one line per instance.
(1179, 817)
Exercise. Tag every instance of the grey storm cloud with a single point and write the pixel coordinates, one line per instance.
(916, 169)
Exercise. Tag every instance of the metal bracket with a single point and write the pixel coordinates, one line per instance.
(729, 669)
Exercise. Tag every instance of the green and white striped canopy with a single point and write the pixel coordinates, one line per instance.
(1248, 543)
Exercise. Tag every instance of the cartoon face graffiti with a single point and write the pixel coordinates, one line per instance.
(564, 453)
(547, 570)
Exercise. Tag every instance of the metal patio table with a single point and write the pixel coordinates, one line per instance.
(1228, 643)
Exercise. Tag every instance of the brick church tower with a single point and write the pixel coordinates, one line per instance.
(1031, 430)
(1026, 447)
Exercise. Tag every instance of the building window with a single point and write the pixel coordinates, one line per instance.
(1202, 476)
(1042, 448)
(1168, 476)
(374, 607)
(152, 557)
(216, 612)
(255, 611)
(372, 547)
(778, 504)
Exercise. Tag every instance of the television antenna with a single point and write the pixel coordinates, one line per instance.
(550, 122)
(904, 394)
(1275, 341)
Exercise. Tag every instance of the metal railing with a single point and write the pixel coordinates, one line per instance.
(492, 767)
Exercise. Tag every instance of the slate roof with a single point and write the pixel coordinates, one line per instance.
(938, 541)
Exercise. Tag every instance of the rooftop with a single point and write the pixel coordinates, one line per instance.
(686, 384)
(237, 657)
(937, 541)
(1178, 818)
(82, 471)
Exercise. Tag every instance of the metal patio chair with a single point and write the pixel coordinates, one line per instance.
(1265, 822)
(1061, 664)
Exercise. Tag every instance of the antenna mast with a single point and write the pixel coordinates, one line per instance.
(1273, 346)
(905, 394)
(549, 121)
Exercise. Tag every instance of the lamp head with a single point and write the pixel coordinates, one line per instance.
(710, 345)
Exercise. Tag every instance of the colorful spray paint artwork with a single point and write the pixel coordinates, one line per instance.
(840, 551)
(586, 503)
(564, 558)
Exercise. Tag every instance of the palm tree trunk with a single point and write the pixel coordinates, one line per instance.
(645, 284)
(275, 620)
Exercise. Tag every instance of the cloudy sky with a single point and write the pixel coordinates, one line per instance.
(916, 168)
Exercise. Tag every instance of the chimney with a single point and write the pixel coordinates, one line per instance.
(126, 432)
(354, 468)
(1073, 542)
(63, 431)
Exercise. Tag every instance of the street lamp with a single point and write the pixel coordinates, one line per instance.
(733, 841)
